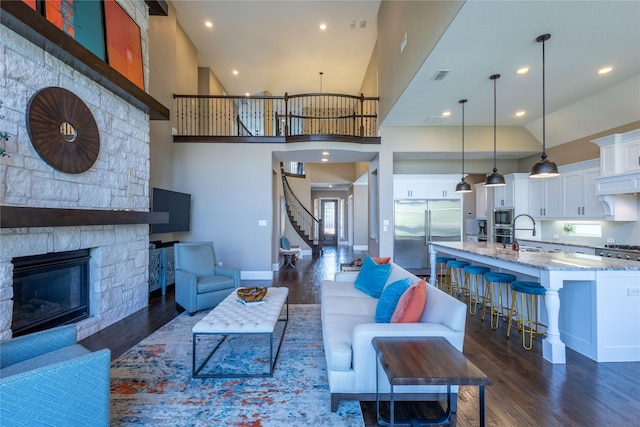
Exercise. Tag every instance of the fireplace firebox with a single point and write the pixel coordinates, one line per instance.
(49, 290)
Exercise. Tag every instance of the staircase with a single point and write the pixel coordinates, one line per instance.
(306, 225)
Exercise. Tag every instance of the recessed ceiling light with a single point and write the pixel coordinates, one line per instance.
(325, 160)
(330, 185)
(247, 94)
(325, 153)
(323, 27)
(523, 70)
(446, 113)
(605, 70)
(520, 113)
(235, 72)
(208, 24)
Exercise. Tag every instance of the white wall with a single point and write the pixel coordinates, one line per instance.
(231, 190)
(360, 215)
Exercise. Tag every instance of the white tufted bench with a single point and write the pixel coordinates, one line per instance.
(231, 317)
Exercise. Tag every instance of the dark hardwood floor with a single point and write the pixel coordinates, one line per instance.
(526, 390)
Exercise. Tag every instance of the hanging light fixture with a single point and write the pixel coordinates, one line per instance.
(495, 179)
(463, 186)
(544, 168)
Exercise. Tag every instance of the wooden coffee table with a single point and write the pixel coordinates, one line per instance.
(425, 361)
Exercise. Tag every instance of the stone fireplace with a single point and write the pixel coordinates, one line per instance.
(117, 181)
(49, 290)
(118, 278)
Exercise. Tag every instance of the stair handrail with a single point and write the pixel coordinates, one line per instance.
(288, 192)
(242, 127)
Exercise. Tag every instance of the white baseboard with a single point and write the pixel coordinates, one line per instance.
(360, 248)
(256, 275)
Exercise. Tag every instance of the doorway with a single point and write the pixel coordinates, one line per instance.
(329, 215)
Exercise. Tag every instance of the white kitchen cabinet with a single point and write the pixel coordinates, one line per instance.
(572, 188)
(481, 201)
(592, 206)
(503, 196)
(545, 198)
(580, 200)
(442, 188)
(436, 186)
(619, 153)
(631, 150)
(514, 194)
(409, 188)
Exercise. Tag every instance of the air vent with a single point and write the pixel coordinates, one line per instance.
(440, 74)
(434, 120)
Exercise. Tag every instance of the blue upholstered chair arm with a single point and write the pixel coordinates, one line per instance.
(29, 346)
(229, 272)
(186, 289)
(69, 393)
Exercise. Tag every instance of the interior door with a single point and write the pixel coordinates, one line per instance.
(329, 209)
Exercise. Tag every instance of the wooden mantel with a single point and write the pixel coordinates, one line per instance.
(20, 18)
(22, 216)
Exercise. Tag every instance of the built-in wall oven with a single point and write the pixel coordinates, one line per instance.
(503, 218)
(502, 224)
(502, 235)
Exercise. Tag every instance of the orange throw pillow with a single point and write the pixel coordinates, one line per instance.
(381, 260)
(411, 304)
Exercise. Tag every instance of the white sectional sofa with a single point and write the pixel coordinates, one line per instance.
(349, 325)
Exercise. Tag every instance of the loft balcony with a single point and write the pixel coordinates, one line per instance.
(276, 119)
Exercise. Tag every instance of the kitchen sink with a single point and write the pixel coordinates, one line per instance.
(530, 249)
(537, 249)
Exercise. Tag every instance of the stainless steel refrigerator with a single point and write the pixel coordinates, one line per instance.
(418, 222)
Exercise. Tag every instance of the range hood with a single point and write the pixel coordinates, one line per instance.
(618, 185)
(624, 183)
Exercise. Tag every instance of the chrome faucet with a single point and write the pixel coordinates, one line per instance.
(513, 226)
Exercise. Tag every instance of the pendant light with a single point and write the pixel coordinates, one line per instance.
(544, 168)
(463, 186)
(495, 179)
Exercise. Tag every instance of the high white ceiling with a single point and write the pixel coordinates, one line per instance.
(277, 47)
(498, 37)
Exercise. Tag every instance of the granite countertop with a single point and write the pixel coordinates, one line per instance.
(555, 242)
(543, 260)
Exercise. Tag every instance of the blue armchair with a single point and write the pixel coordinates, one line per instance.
(200, 283)
(47, 378)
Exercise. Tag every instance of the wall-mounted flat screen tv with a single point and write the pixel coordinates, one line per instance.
(179, 207)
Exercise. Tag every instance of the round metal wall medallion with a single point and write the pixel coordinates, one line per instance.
(63, 130)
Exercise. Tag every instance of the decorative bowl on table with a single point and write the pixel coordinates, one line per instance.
(252, 294)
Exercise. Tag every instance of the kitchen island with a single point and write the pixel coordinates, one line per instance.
(592, 303)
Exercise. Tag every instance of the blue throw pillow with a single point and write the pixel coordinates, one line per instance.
(389, 299)
(372, 277)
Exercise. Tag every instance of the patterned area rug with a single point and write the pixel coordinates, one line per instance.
(151, 384)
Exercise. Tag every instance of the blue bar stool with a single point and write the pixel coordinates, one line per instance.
(456, 277)
(531, 324)
(473, 279)
(496, 298)
(443, 273)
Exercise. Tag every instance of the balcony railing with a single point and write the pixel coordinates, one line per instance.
(276, 118)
